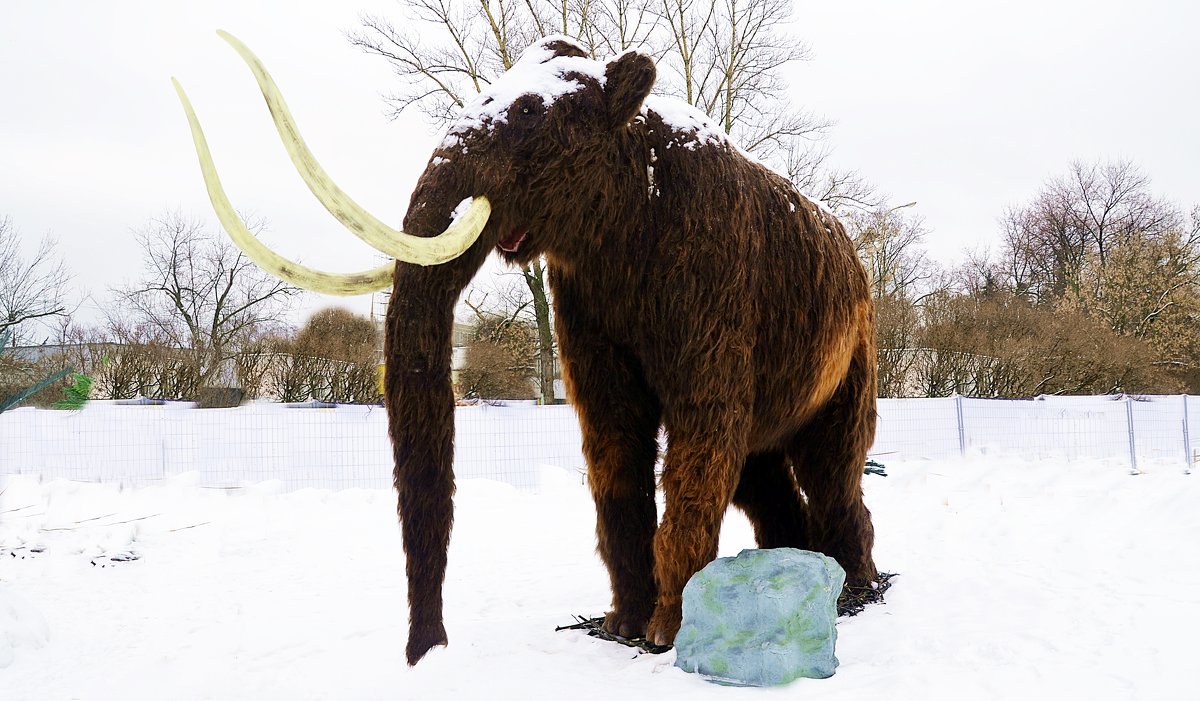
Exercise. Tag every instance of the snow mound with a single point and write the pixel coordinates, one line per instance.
(21, 625)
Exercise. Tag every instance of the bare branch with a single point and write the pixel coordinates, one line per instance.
(30, 289)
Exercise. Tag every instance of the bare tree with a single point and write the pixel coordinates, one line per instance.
(890, 245)
(293, 377)
(125, 360)
(980, 275)
(726, 57)
(138, 359)
(449, 50)
(1088, 212)
(31, 289)
(840, 189)
(1140, 283)
(340, 334)
(199, 294)
(1147, 288)
(897, 335)
(1098, 242)
(535, 278)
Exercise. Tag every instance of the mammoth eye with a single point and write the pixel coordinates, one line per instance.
(526, 108)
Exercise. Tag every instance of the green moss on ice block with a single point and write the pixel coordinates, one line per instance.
(763, 618)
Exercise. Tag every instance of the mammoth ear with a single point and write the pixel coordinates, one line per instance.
(627, 81)
(563, 47)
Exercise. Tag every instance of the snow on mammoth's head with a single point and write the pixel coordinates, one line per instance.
(556, 67)
(551, 68)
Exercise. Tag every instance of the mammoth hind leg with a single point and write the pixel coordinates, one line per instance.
(829, 455)
(769, 496)
(700, 475)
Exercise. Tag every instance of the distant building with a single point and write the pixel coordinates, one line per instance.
(33, 354)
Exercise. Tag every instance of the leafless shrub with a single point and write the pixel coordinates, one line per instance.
(333, 358)
(499, 361)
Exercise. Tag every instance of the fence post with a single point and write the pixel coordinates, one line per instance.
(1187, 440)
(1133, 468)
(962, 436)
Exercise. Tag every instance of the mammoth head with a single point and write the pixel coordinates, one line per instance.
(516, 158)
(534, 143)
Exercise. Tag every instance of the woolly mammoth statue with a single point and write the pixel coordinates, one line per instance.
(693, 289)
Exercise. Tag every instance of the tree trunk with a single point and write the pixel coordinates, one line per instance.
(535, 277)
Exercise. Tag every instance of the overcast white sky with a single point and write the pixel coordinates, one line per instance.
(963, 107)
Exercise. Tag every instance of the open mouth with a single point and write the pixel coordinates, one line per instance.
(512, 242)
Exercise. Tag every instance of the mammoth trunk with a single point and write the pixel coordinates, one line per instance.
(420, 406)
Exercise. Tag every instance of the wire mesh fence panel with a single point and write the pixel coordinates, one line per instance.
(99, 444)
(339, 447)
(916, 428)
(348, 446)
(1157, 434)
(1133, 431)
(512, 443)
(1047, 428)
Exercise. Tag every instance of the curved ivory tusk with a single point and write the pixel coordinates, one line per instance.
(299, 275)
(413, 249)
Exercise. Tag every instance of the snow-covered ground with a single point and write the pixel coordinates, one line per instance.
(1018, 579)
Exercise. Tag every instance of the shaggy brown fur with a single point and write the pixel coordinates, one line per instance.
(694, 290)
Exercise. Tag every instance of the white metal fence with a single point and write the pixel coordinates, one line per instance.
(347, 446)
(1130, 431)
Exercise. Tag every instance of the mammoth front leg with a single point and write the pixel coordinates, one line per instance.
(704, 457)
(619, 418)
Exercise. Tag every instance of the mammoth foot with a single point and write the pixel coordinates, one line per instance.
(625, 624)
(664, 624)
(854, 598)
(421, 640)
